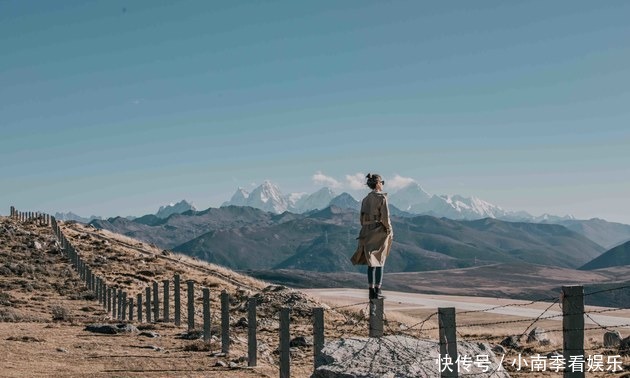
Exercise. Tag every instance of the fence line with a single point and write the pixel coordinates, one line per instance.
(120, 305)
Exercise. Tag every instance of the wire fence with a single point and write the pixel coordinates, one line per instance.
(503, 337)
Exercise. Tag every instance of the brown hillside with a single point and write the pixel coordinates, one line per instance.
(44, 308)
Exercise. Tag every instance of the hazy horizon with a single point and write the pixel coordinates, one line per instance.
(115, 108)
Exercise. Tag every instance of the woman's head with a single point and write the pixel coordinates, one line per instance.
(373, 179)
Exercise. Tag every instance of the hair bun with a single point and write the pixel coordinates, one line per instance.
(369, 175)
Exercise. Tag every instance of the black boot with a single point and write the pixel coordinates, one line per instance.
(372, 293)
(378, 294)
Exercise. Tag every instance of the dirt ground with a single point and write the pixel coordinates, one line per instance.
(491, 320)
(44, 309)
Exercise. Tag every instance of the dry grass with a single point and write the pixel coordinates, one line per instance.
(44, 308)
(42, 298)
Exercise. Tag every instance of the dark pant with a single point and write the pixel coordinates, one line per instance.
(375, 275)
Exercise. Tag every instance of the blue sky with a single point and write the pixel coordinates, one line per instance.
(117, 107)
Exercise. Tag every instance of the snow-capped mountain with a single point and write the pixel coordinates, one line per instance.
(178, 208)
(458, 207)
(239, 198)
(318, 200)
(412, 199)
(267, 197)
(294, 198)
(345, 201)
(409, 196)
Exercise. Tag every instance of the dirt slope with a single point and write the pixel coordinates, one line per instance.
(44, 308)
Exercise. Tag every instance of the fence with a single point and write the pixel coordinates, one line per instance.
(121, 306)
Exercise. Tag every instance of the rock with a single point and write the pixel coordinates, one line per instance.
(511, 342)
(299, 342)
(191, 335)
(612, 339)
(394, 357)
(62, 350)
(149, 334)
(538, 335)
(624, 345)
(499, 349)
(37, 245)
(110, 329)
(221, 363)
(233, 365)
(242, 323)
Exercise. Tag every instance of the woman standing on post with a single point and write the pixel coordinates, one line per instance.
(375, 238)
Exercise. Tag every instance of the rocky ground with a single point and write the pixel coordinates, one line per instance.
(45, 308)
(45, 312)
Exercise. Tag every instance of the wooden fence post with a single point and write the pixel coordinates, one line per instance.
(166, 301)
(130, 304)
(97, 289)
(252, 343)
(156, 301)
(206, 314)
(123, 307)
(573, 327)
(147, 303)
(285, 355)
(109, 300)
(103, 293)
(448, 341)
(178, 303)
(376, 318)
(120, 304)
(191, 304)
(225, 322)
(318, 335)
(114, 299)
(139, 300)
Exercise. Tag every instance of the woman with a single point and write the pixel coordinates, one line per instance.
(375, 238)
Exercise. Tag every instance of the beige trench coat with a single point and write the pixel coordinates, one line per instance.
(375, 238)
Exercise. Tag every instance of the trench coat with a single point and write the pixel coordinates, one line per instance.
(376, 235)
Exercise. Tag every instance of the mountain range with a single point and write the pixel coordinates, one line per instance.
(243, 238)
(413, 200)
(408, 202)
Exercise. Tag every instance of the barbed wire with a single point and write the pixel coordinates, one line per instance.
(343, 330)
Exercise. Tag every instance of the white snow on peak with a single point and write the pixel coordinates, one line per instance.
(411, 198)
(177, 208)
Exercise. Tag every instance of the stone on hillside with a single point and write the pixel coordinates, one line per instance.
(242, 323)
(624, 346)
(511, 342)
(194, 334)
(538, 335)
(395, 357)
(149, 334)
(111, 329)
(499, 349)
(612, 339)
(300, 342)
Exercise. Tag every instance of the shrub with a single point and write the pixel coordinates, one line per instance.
(60, 313)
